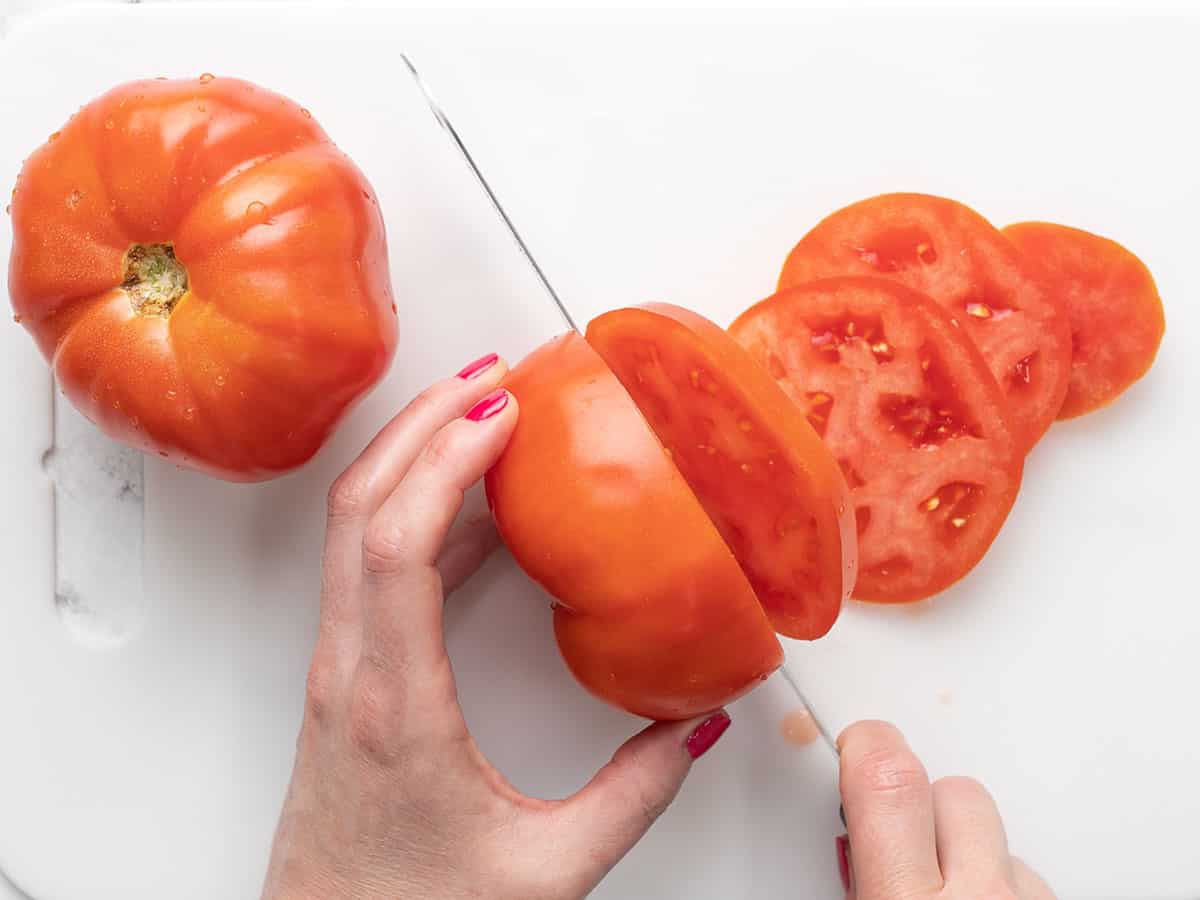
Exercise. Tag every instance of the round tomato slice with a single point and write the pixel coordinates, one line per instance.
(760, 471)
(956, 257)
(206, 272)
(906, 404)
(653, 612)
(1112, 305)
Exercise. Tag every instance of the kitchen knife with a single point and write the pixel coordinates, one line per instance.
(784, 672)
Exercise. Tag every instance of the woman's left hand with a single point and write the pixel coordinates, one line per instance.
(390, 796)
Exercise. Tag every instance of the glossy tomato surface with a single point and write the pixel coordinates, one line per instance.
(1112, 304)
(653, 612)
(757, 467)
(206, 272)
(909, 408)
(951, 253)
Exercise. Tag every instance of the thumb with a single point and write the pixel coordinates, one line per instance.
(610, 814)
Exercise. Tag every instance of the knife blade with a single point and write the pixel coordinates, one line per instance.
(785, 673)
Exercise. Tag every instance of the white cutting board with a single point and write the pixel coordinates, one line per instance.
(672, 161)
(155, 766)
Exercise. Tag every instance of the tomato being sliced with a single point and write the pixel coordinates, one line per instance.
(906, 404)
(759, 470)
(653, 612)
(955, 256)
(1112, 304)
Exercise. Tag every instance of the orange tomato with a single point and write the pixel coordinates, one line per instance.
(671, 565)
(1112, 305)
(206, 273)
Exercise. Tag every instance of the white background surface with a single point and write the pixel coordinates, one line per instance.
(667, 162)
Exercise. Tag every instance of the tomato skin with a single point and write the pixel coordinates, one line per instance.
(908, 406)
(1111, 301)
(653, 613)
(951, 253)
(757, 467)
(288, 318)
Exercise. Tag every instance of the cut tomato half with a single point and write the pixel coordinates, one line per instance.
(1112, 304)
(652, 613)
(757, 467)
(956, 257)
(907, 405)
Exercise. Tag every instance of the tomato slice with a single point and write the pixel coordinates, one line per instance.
(954, 255)
(760, 471)
(653, 612)
(1112, 304)
(906, 404)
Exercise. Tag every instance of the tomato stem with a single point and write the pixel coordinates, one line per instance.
(154, 279)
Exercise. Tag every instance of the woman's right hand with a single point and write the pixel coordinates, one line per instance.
(912, 840)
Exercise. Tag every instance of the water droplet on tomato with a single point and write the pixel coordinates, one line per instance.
(73, 199)
(116, 404)
(54, 137)
(206, 77)
(305, 113)
(109, 125)
(257, 210)
(170, 395)
(17, 319)
(220, 381)
(393, 307)
(189, 412)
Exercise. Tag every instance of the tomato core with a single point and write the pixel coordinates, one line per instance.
(154, 279)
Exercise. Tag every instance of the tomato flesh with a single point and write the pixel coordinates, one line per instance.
(1112, 303)
(653, 612)
(758, 469)
(908, 407)
(951, 253)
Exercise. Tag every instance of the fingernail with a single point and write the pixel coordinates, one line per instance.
(843, 858)
(477, 368)
(706, 734)
(488, 406)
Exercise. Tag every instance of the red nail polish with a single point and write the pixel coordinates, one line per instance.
(477, 368)
(488, 406)
(706, 734)
(843, 858)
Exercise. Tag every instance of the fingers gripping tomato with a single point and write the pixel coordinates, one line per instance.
(206, 272)
(677, 506)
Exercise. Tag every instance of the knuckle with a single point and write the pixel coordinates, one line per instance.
(383, 548)
(320, 688)
(889, 773)
(430, 401)
(444, 448)
(649, 799)
(347, 497)
(372, 711)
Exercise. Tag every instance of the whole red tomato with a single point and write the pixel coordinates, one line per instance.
(206, 273)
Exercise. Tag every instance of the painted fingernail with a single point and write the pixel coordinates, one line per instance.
(477, 368)
(843, 858)
(488, 406)
(706, 734)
